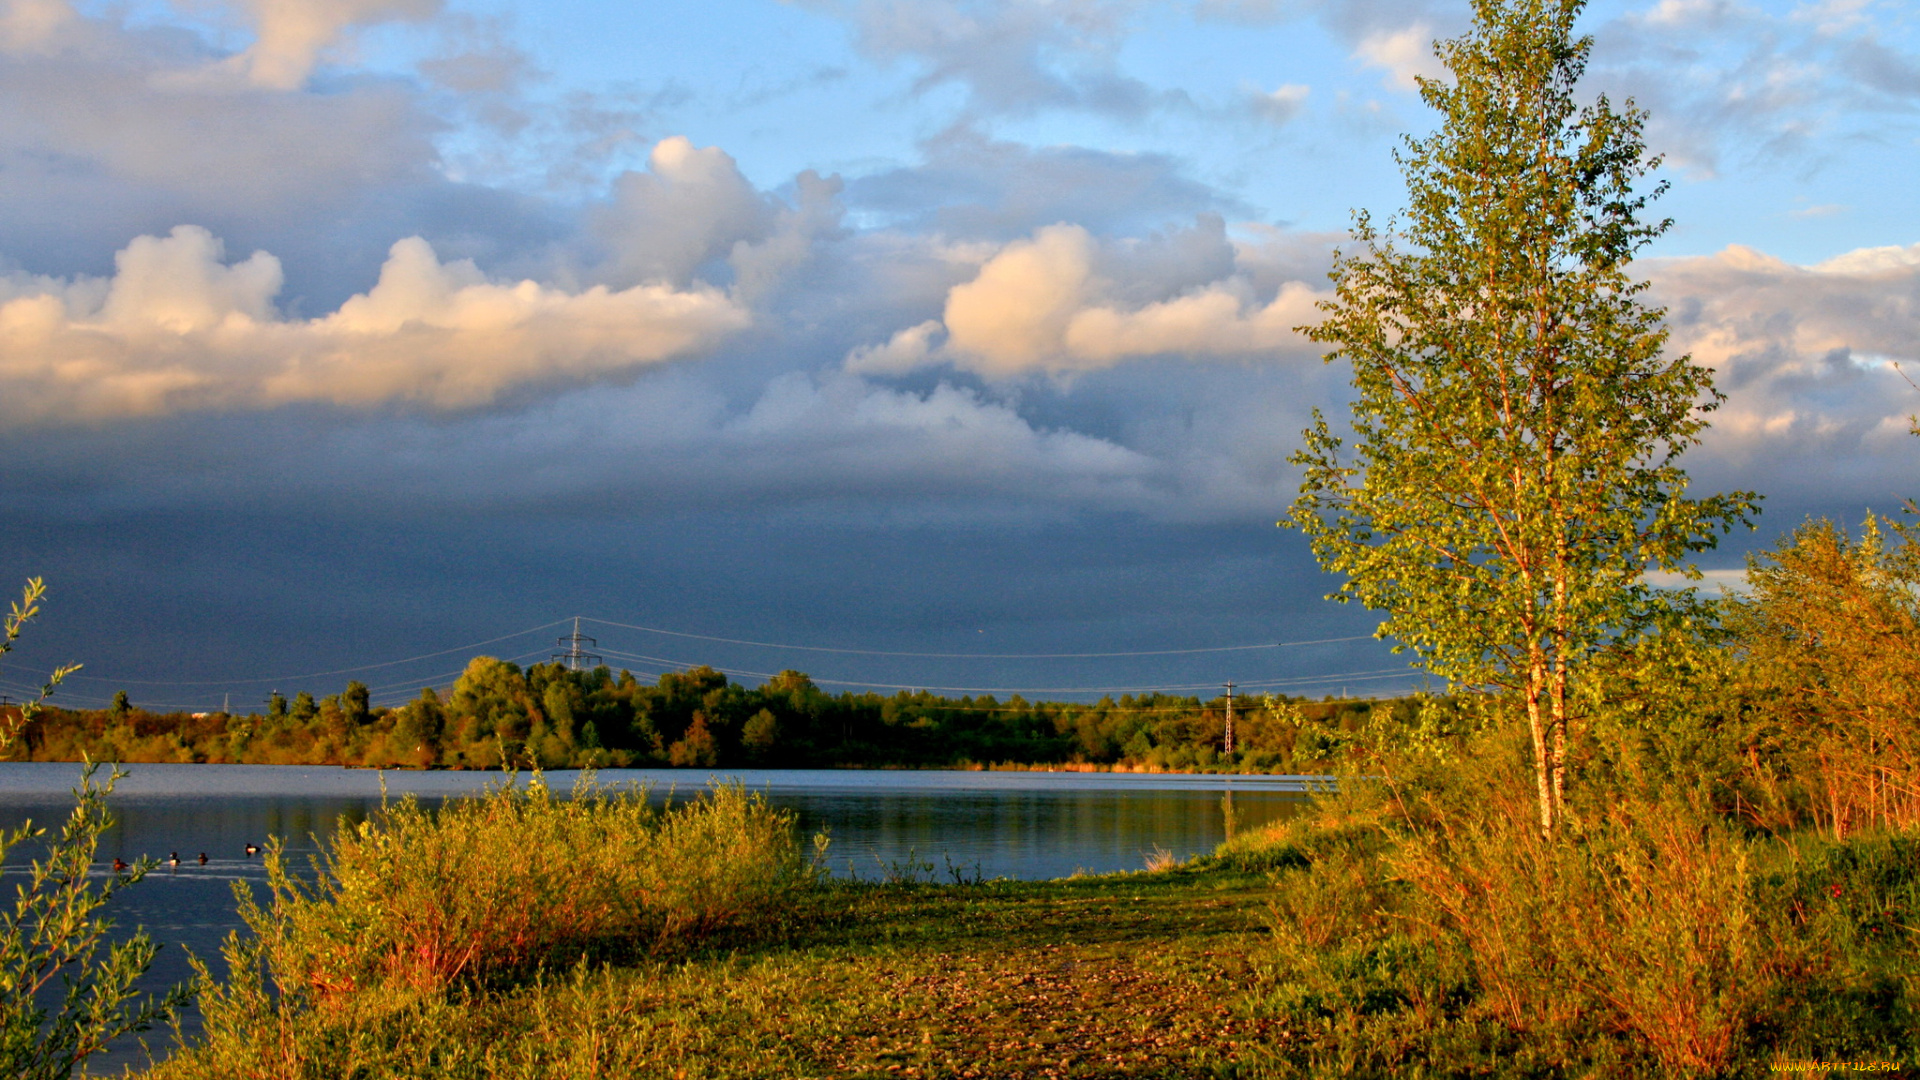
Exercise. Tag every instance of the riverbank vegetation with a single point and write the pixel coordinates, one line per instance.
(1117, 975)
(551, 717)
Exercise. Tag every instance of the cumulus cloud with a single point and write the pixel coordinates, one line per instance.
(905, 350)
(692, 215)
(1063, 301)
(688, 209)
(1805, 354)
(177, 327)
(845, 432)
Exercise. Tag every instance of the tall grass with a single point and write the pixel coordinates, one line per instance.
(419, 909)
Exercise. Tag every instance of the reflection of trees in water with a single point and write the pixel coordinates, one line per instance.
(1029, 834)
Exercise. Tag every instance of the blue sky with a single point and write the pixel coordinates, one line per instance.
(340, 331)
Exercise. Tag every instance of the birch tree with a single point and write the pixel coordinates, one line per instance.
(1516, 424)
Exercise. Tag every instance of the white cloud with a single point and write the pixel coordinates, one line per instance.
(1805, 355)
(688, 209)
(112, 129)
(1063, 301)
(1820, 210)
(949, 438)
(1873, 260)
(1406, 53)
(178, 328)
(1719, 76)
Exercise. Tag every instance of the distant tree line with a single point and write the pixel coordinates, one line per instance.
(550, 716)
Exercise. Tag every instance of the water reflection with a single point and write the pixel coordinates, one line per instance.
(1022, 825)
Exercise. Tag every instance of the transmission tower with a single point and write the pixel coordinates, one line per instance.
(576, 655)
(1229, 716)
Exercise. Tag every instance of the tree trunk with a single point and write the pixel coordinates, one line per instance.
(1542, 764)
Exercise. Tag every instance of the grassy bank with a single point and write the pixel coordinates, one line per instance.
(1135, 974)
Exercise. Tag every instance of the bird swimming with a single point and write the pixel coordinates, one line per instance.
(119, 865)
(253, 849)
(173, 860)
(203, 858)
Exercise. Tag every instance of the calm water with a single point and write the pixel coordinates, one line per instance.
(1012, 824)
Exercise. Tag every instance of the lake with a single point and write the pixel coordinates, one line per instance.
(987, 824)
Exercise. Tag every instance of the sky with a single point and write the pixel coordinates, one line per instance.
(348, 338)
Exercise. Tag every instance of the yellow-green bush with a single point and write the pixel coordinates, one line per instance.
(419, 908)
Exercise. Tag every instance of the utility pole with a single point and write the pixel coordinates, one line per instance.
(576, 652)
(1229, 716)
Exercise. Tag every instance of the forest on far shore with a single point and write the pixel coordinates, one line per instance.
(553, 717)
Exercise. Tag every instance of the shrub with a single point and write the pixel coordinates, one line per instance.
(416, 908)
(56, 927)
(1448, 935)
(1831, 644)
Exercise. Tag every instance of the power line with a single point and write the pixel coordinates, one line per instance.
(576, 656)
(1356, 676)
(320, 674)
(386, 691)
(1108, 690)
(975, 656)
